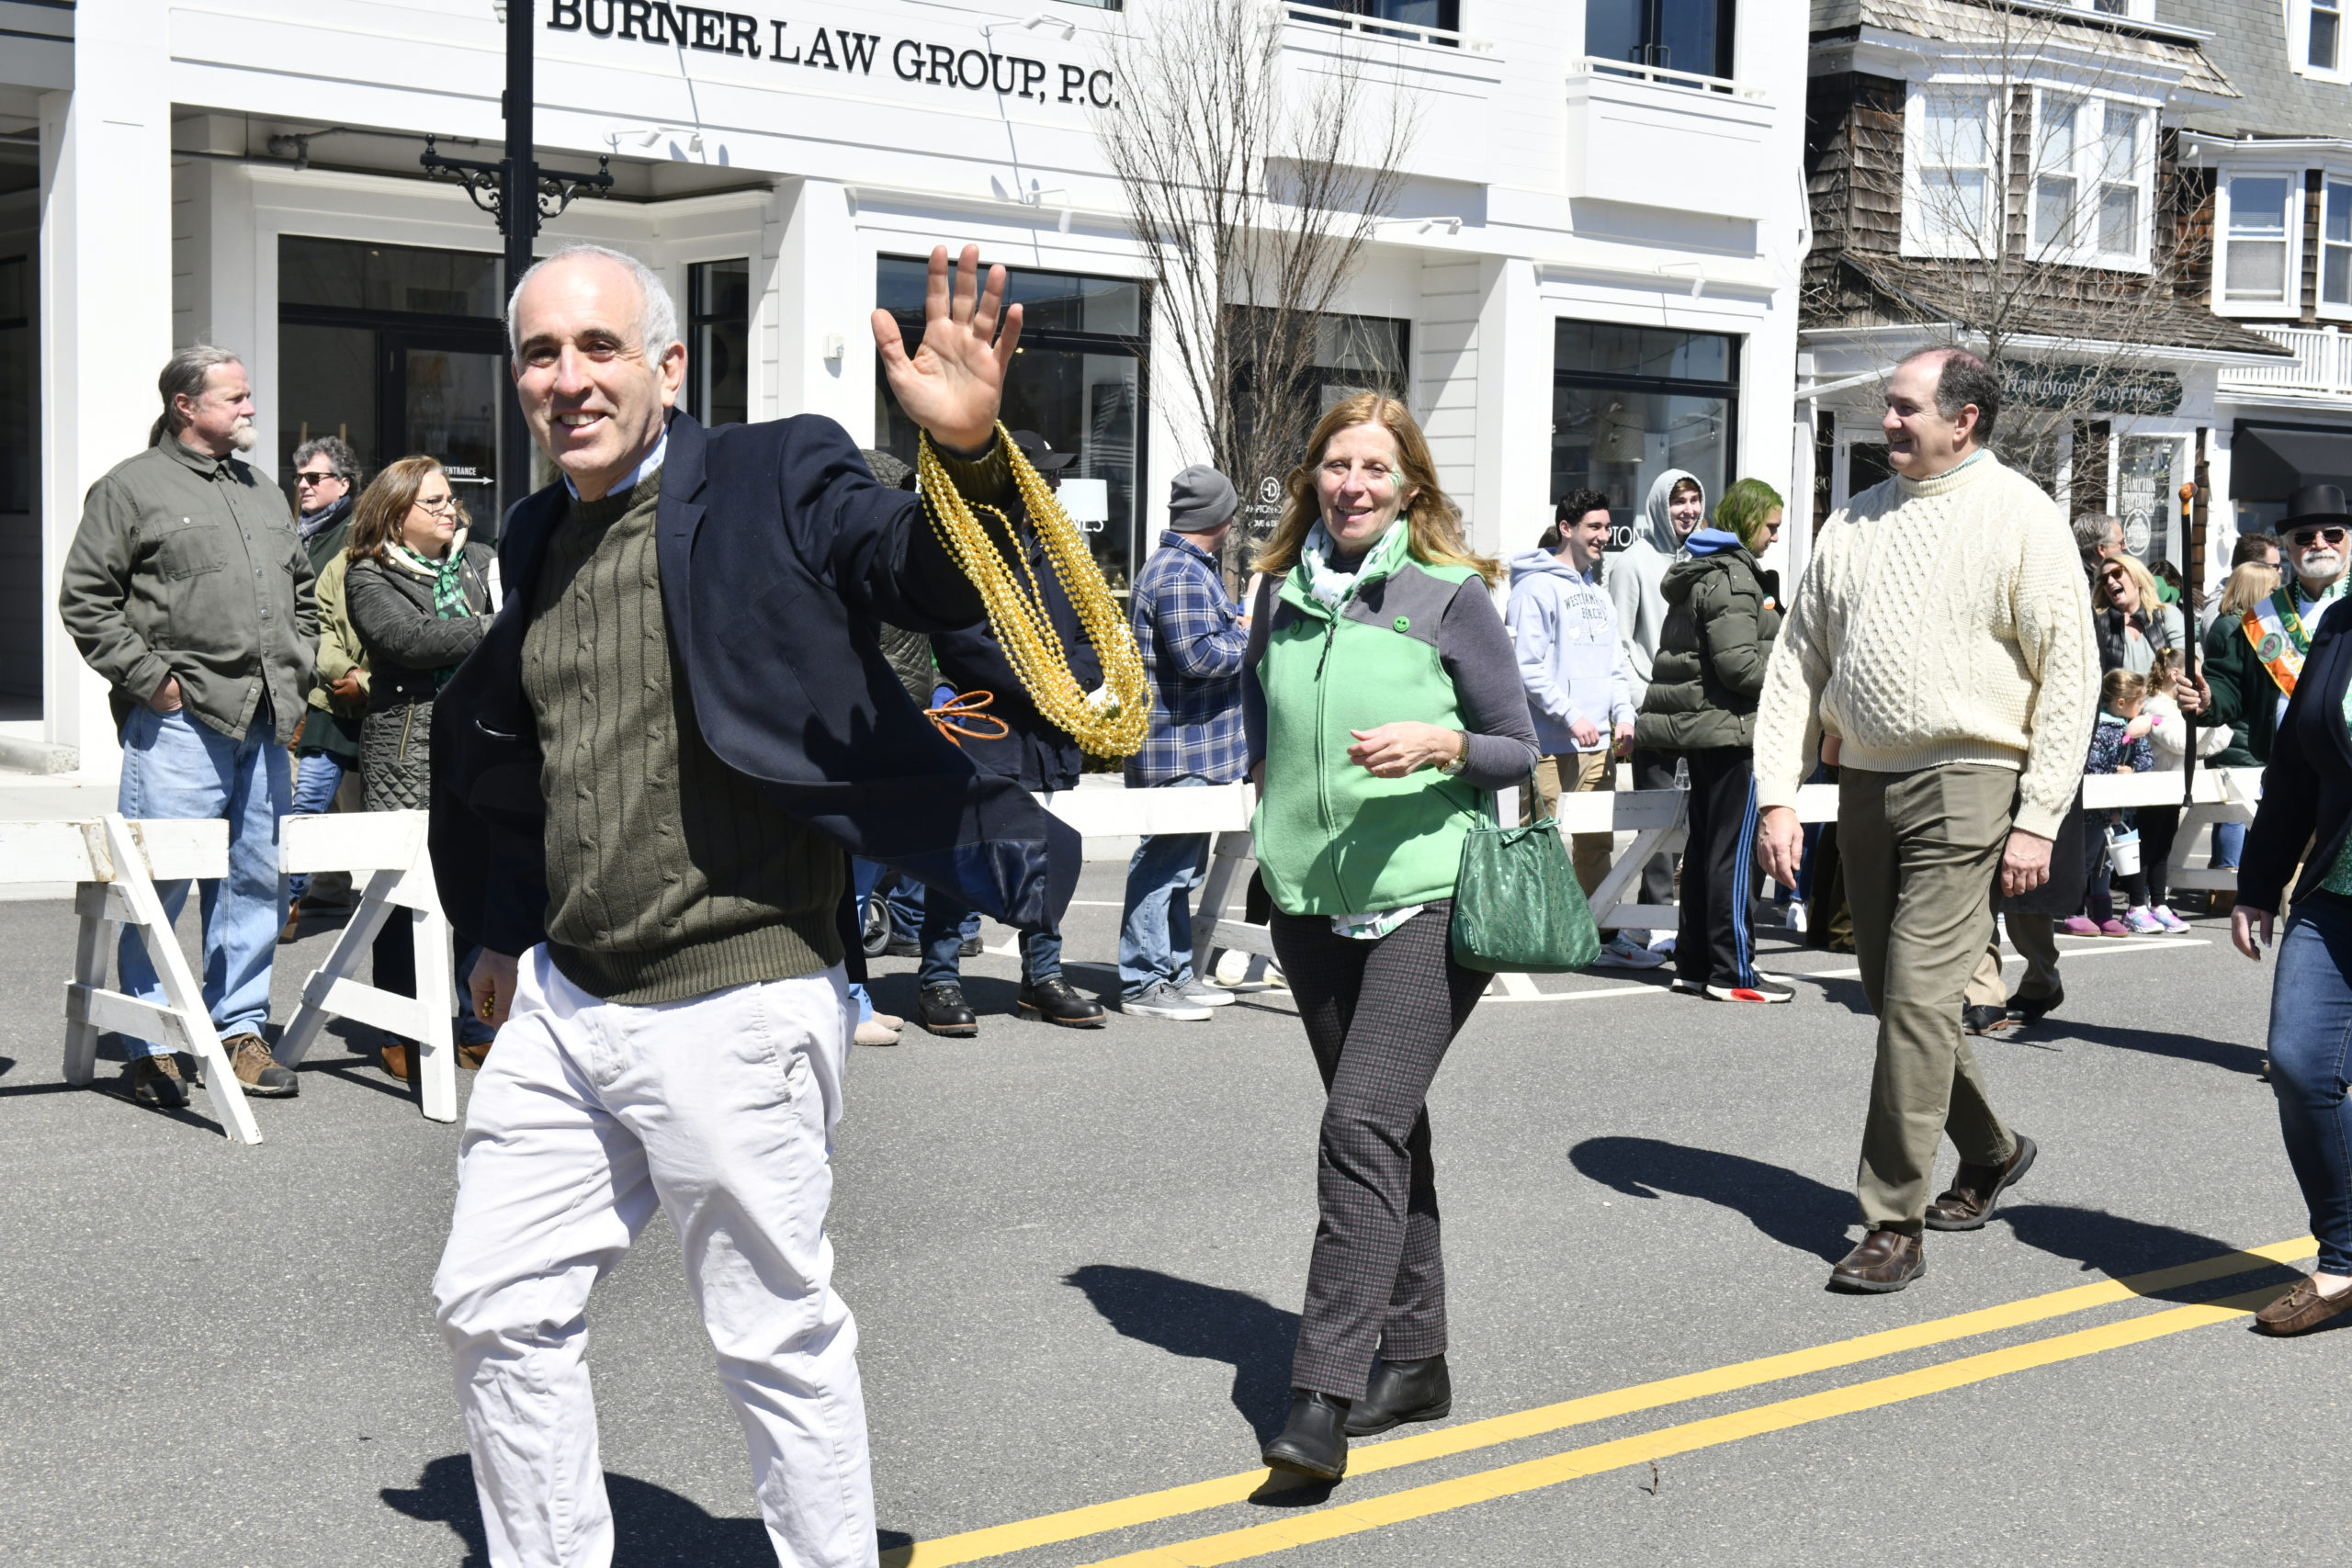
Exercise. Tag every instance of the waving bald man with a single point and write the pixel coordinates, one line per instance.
(646, 780)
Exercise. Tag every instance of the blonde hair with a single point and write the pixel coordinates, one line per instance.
(1434, 522)
(384, 505)
(2144, 579)
(2121, 686)
(2249, 585)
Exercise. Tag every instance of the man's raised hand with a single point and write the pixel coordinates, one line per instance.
(953, 383)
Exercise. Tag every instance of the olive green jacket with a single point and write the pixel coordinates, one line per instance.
(1711, 651)
(189, 566)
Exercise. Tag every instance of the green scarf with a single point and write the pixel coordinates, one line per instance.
(447, 577)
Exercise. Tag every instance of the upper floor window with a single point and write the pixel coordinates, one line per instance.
(2336, 247)
(2324, 36)
(2089, 183)
(1694, 36)
(1955, 175)
(2257, 218)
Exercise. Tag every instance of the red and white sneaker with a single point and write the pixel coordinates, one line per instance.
(1764, 991)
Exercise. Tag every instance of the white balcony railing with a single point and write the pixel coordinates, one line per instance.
(1380, 27)
(2321, 366)
(1649, 137)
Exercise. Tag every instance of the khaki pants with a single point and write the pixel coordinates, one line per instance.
(1575, 772)
(2036, 938)
(1921, 851)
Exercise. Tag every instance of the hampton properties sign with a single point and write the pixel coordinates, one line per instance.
(799, 46)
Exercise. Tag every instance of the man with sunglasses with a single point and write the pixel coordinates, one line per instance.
(326, 745)
(2251, 663)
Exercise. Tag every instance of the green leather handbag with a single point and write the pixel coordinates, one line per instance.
(1517, 907)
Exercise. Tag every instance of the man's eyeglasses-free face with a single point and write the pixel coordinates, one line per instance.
(2304, 538)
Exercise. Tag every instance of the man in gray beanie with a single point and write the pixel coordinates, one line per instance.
(1192, 637)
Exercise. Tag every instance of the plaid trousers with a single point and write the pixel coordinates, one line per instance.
(1379, 1016)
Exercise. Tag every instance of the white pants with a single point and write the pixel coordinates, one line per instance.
(588, 1113)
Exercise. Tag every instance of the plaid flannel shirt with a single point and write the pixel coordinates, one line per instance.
(1193, 643)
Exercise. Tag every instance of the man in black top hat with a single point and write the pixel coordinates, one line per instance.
(2251, 663)
(1033, 749)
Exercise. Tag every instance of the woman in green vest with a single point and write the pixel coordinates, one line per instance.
(1384, 704)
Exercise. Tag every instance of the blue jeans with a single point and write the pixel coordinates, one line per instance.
(316, 778)
(2310, 1032)
(863, 875)
(2229, 843)
(175, 765)
(944, 923)
(1155, 925)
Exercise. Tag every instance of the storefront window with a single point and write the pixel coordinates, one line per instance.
(1628, 403)
(718, 340)
(1078, 381)
(399, 351)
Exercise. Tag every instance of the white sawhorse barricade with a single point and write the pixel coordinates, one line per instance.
(385, 853)
(115, 866)
(1658, 820)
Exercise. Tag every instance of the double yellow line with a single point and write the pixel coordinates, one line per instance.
(1371, 1513)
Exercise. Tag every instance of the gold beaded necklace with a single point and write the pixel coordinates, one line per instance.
(1109, 721)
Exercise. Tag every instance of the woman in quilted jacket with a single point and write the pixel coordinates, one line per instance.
(1720, 623)
(419, 597)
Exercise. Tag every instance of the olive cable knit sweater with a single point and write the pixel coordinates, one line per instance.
(1939, 620)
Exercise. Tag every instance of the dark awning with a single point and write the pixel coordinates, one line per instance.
(2269, 462)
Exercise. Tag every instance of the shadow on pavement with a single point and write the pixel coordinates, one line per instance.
(2224, 1053)
(1207, 1323)
(1794, 1210)
(651, 1523)
(2115, 1246)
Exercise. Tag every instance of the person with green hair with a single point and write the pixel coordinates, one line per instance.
(1721, 618)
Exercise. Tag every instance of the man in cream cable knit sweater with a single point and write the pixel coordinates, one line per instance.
(1962, 736)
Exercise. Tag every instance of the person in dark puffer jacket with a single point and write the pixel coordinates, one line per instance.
(418, 594)
(1720, 623)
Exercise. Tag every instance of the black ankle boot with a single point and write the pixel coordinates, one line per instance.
(1314, 1441)
(1401, 1392)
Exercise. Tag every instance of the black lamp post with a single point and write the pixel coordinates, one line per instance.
(520, 195)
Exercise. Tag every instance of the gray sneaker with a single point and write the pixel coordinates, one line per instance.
(1205, 994)
(1161, 1000)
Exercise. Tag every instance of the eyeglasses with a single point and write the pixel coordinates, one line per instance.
(444, 507)
(2304, 538)
(307, 478)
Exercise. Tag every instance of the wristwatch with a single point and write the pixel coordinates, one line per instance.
(1461, 759)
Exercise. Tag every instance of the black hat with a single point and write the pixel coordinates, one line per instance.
(1042, 458)
(2316, 503)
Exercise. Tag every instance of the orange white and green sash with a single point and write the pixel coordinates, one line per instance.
(2278, 638)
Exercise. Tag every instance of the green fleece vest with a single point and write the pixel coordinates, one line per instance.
(1332, 838)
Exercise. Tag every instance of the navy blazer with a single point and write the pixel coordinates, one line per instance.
(778, 553)
(2307, 786)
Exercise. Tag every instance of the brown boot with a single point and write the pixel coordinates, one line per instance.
(157, 1081)
(293, 923)
(257, 1072)
(396, 1062)
(2302, 1309)
(472, 1055)
(1976, 1188)
(1888, 1260)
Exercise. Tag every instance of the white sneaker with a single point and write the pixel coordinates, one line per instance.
(1164, 1001)
(1207, 996)
(1663, 944)
(1619, 953)
(1795, 919)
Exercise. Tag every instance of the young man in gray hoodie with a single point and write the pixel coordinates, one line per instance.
(1677, 505)
(1564, 631)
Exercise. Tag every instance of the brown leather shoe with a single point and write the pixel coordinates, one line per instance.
(395, 1057)
(293, 923)
(472, 1055)
(1976, 1188)
(2300, 1309)
(1888, 1260)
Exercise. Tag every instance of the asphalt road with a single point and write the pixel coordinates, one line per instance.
(1076, 1259)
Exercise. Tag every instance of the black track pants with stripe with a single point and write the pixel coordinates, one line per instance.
(1716, 944)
